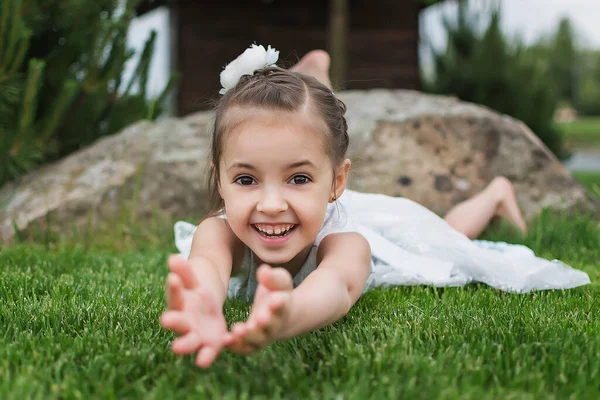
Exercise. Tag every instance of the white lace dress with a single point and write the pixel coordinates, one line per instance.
(411, 245)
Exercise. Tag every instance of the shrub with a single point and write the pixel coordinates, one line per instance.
(61, 78)
(479, 66)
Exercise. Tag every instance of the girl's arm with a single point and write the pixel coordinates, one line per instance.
(328, 293)
(216, 253)
(196, 291)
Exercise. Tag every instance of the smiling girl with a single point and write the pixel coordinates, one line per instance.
(283, 232)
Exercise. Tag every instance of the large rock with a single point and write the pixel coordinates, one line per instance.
(440, 151)
(433, 149)
(153, 166)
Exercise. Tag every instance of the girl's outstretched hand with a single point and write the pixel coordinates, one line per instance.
(193, 314)
(269, 313)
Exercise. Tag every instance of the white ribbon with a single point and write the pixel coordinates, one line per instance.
(254, 58)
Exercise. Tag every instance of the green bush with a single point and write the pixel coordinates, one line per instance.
(479, 66)
(588, 94)
(589, 97)
(61, 78)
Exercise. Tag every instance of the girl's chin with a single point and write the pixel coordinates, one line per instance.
(274, 260)
(285, 258)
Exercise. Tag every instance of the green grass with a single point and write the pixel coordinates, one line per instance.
(82, 322)
(582, 132)
(591, 180)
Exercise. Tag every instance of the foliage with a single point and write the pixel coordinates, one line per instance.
(479, 66)
(574, 71)
(563, 59)
(19, 148)
(61, 78)
(588, 99)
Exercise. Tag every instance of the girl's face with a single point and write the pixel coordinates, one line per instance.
(276, 181)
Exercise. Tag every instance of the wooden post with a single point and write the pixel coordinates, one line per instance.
(339, 21)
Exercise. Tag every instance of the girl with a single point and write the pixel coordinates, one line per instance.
(283, 232)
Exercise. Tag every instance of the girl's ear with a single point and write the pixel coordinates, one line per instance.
(341, 177)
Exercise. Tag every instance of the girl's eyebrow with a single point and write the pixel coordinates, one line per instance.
(301, 163)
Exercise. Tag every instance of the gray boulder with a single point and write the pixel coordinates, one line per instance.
(433, 149)
(439, 151)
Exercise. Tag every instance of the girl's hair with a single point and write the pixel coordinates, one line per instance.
(280, 90)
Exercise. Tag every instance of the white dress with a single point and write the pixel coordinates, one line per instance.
(411, 245)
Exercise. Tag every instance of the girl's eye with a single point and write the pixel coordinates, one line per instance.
(300, 180)
(244, 180)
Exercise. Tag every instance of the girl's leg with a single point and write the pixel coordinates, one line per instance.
(316, 64)
(472, 216)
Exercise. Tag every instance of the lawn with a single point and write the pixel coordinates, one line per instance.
(81, 321)
(583, 132)
(589, 179)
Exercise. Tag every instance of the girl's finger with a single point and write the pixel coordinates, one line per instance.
(274, 278)
(277, 300)
(254, 335)
(174, 292)
(182, 268)
(229, 339)
(261, 293)
(255, 338)
(240, 347)
(186, 344)
(232, 342)
(263, 317)
(239, 330)
(175, 321)
(235, 340)
(206, 356)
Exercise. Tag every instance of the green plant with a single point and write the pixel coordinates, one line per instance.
(480, 66)
(588, 99)
(61, 78)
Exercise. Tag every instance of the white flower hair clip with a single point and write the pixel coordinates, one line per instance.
(255, 57)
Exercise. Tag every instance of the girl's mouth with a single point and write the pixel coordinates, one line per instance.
(275, 232)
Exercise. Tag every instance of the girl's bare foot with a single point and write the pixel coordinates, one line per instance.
(508, 207)
(269, 311)
(316, 64)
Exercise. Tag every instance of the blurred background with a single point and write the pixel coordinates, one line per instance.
(536, 60)
(73, 71)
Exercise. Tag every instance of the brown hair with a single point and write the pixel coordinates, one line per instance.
(281, 90)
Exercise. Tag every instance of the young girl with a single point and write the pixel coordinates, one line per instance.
(283, 232)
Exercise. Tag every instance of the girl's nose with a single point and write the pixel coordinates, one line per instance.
(272, 202)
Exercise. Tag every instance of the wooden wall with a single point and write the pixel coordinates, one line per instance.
(382, 43)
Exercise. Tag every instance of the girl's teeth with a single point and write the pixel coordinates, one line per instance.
(277, 231)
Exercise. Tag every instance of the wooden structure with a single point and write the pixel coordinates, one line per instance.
(373, 44)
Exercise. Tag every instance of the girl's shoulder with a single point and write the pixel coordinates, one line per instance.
(185, 232)
(239, 249)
